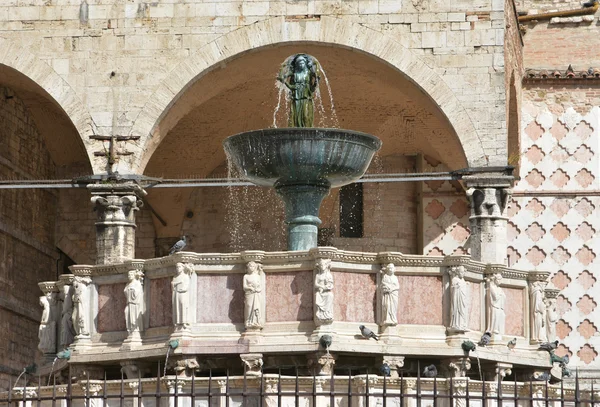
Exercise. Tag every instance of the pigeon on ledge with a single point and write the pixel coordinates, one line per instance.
(548, 346)
(385, 370)
(512, 343)
(367, 333)
(179, 246)
(485, 339)
(430, 371)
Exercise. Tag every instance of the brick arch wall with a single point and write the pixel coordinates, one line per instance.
(327, 31)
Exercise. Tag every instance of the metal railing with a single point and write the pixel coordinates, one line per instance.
(277, 389)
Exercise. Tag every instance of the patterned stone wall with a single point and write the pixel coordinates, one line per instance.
(554, 214)
(445, 214)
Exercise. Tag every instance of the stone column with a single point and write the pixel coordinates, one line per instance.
(115, 205)
(489, 195)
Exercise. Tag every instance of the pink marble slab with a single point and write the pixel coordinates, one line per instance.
(514, 310)
(111, 307)
(289, 296)
(161, 308)
(220, 298)
(420, 301)
(475, 306)
(354, 297)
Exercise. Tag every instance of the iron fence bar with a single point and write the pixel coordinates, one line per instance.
(139, 391)
(193, 389)
(483, 390)
(104, 397)
(297, 393)
(262, 392)
(577, 395)
(279, 387)
(451, 391)
(467, 392)
(350, 387)
(227, 390)
(331, 390)
(39, 401)
(209, 388)
(562, 394)
(499, 392)
(385, 390)
(367, 391)
(54, 391)
(530, 393)
(314, 391)
(157, 394)
(176, 401)
(546, 392)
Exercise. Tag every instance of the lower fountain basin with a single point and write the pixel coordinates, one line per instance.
(292, 156)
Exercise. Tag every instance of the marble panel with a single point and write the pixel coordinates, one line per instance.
(476, 306)
(515, 303)
(161, 307)
(354, 297)
(111, 307)
(289, 296)
(420, 301)
(220, 298)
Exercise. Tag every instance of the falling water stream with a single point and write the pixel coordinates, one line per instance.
(19, 378)
(166, 360)
(51, 370)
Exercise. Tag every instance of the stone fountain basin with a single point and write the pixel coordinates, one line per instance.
(289, 156)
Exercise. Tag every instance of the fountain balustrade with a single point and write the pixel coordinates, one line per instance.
(264, 303)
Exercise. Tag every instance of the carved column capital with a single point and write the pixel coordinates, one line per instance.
(395, 363)
(321, 363)
(497, 371)
(456, 367)
(253, 363)
(115, 205)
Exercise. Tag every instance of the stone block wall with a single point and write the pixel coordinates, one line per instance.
(115, 55)
(27, 222)
(554, 213)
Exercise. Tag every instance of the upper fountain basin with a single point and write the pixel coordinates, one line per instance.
(301, 155)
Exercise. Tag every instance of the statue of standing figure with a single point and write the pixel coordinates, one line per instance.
(496, 304)
(181, 300)
(459, 299)
(323, 292)
(551, 319)
(389, 287)
(253, 288)
(134, 294)
(47, 329)
(67, 332)
(80, 305)
(300, 74)
(538, 309)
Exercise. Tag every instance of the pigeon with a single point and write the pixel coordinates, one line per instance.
(179, 246)
(385, 370)
(430, 371)
(512, 343)
(541, 376)
(589, 3)
(565, 360)
(64, 354)
(485, 339)
(468, 346)
(367, 333)
(566, 372)
(548, 346)
(325, 341)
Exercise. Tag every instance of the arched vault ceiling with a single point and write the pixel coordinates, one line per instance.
(369, 96)
(59, 133)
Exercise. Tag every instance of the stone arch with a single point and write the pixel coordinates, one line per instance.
(327, 30)
(60, 92)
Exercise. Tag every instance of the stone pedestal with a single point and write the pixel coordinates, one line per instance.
(489, 195)
(115, 205)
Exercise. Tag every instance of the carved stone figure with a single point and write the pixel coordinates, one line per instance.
(181, 300)
(253, 289)
(538, 310)
(496, 303)
(47, 329)
(389, 295)
(323, 292)
(551, 319)
(134, 294)
(300, 74)
(459, 299)
(80, 306)
(67, 332)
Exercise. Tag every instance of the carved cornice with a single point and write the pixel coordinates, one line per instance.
(537, 275)
(48, 287)
(81, 270)
(551, 293)
(66, 279)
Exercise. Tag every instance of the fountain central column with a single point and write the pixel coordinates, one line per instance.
(302, 203)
